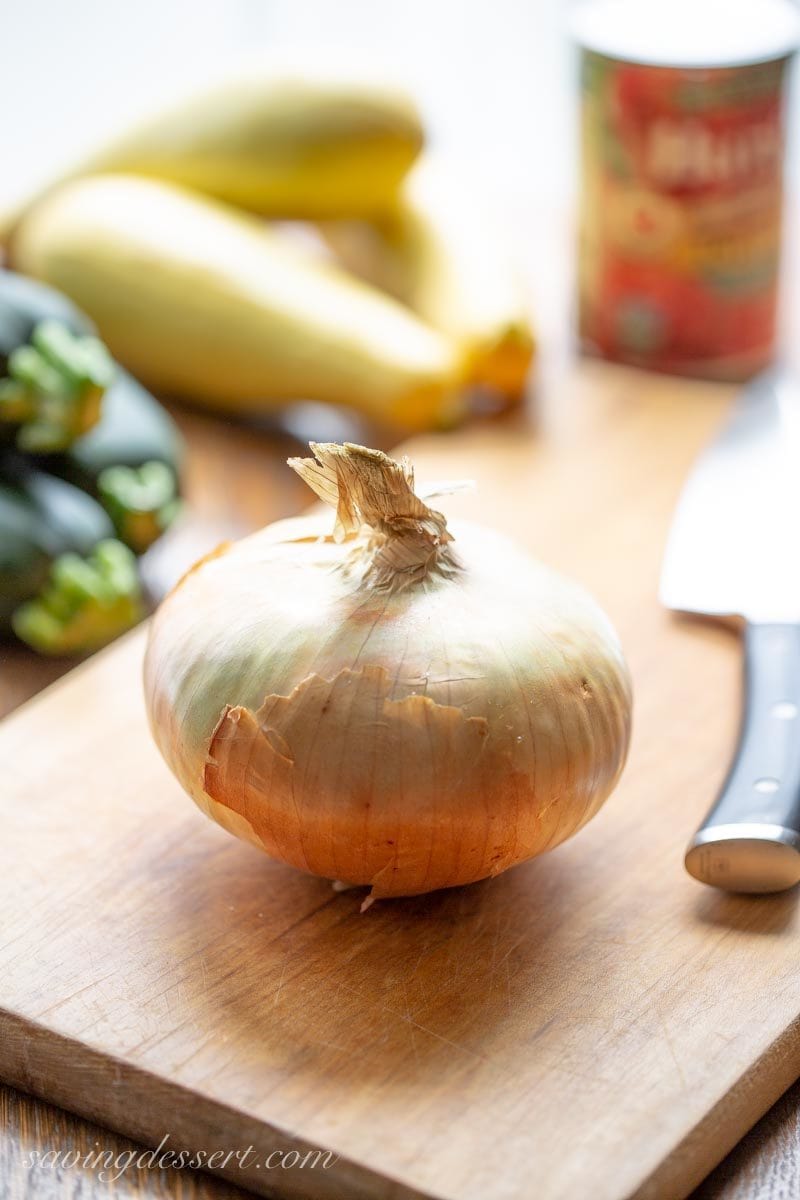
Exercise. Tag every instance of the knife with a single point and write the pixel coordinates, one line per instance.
(734, 551)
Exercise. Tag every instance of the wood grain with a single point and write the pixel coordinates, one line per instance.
(32, 1131)
(235, 479)
(585, 1021)
(765, 1165)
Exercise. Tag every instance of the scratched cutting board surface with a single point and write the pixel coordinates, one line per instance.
(591, 1023)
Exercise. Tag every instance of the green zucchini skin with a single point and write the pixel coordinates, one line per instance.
(133, 429)
(117, 461)
(41, 517)
(25, 551)
(48, 502)
(24, 303)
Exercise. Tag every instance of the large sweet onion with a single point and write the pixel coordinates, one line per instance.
(391, 703)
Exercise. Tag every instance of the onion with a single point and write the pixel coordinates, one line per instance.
(391, 704)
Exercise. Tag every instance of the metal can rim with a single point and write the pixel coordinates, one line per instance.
(716, 34)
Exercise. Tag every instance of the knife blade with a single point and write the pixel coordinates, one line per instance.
(734, 551)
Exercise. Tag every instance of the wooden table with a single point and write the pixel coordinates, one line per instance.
(236, 479)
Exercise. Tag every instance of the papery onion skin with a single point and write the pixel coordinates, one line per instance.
(407, 740)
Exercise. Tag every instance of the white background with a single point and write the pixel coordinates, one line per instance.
(492, 76)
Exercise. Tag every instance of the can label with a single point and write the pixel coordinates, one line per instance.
(681, 214)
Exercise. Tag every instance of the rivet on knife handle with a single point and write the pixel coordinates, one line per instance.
(750, 841)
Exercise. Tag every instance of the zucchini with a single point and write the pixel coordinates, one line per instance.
(86, 603)
(60, 516)
(53, 371)
(129, 458)
(130, 461)
(55, 592)
(26, 551)
(25, 303)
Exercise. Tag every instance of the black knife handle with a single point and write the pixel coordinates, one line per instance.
(750, 841)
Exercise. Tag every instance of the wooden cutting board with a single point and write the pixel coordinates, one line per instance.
(593, 1023)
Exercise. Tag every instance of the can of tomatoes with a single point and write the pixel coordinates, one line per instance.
(682, 136)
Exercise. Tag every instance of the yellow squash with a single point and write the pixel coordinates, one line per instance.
(446, 259)
(304, 142)
(203, 302)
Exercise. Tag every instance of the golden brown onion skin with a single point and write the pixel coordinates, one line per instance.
(408, 741)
